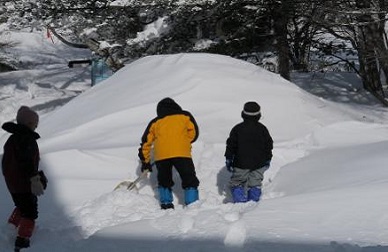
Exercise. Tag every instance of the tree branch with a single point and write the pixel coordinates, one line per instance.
(63, 40)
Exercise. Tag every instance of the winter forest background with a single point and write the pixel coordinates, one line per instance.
(281, 35)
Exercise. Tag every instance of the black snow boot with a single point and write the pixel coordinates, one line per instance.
(167, 206)
(21, 242)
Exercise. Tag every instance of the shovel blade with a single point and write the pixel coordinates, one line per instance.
(129, 185)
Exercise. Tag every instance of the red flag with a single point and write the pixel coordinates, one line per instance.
(49, 35)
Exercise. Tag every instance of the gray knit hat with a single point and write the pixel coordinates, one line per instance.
(27, 117)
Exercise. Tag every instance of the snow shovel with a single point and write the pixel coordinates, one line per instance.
(129, 185)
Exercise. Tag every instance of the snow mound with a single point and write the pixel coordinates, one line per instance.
(209, 93)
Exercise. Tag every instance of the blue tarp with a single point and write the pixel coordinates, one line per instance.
(100, 71)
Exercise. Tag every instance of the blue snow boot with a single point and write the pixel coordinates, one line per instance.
(191, 195)
(238, 194)
(254, 193)
(165, 198)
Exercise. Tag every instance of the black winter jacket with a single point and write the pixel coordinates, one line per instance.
(21, 157)
(249, 145)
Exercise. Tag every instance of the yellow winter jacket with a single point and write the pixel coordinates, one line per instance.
(169, 135)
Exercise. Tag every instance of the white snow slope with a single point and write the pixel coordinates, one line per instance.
(326, 189)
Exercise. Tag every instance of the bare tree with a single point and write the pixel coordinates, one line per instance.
(301, 32)
(361, 23)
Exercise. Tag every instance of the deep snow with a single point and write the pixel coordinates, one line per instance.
(325, 190)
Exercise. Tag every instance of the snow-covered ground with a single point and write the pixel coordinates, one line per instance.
(45, 81)
(326, 189)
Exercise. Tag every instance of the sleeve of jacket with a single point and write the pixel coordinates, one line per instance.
(231, 144)
(269, 142)
(192, 128)
(35, 159)
(28, 156)
(146, 143)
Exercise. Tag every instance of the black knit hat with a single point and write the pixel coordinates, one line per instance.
(167, 106)
(251, 110)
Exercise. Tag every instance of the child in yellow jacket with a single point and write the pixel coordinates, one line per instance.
(169, 136)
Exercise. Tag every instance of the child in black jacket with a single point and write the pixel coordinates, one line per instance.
(248, 154)
(169, 137)
(20, 169)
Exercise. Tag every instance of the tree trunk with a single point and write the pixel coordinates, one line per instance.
(280, 14)
(369, 65)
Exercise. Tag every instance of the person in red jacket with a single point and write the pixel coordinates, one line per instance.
(169, 136)
(248, 154)
(20, 169)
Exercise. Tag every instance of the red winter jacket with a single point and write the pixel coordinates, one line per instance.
(21, 157)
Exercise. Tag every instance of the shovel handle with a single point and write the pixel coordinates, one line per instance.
(133, 184)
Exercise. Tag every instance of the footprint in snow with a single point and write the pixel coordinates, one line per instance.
(186, 224)
(7, 235)
(232, 216)
(236, 235)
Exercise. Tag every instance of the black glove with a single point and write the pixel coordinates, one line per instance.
(146, 166)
